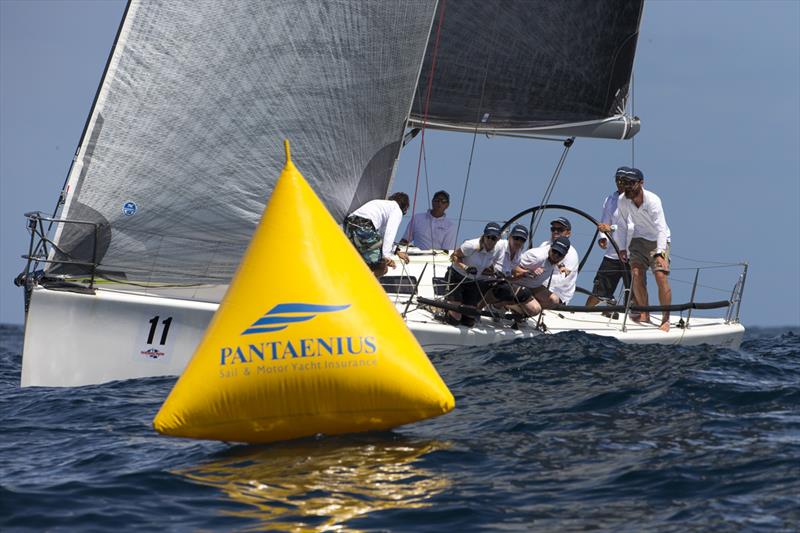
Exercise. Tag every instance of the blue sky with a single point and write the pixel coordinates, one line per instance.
(717, 86)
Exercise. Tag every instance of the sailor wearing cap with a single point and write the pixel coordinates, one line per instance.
(564, 286)
(432, 230)
(611, 268)
(537, 269)
(644, 240)
(472, 265)
(510, 252)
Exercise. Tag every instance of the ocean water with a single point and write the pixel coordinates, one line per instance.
(567, 432)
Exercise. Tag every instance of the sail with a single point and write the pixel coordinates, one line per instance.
(531, 65)
(184, 143)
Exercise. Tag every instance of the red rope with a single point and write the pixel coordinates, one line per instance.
(426, 107)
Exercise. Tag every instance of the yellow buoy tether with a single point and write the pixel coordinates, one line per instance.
(305, 340)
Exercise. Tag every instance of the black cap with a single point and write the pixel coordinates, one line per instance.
(492, 228)
(629, 174)
(519, 231)
(564, 221)
(442, 193)
(561, 245)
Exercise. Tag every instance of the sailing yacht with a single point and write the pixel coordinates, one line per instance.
(182, 148)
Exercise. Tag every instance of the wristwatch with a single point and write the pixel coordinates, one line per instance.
(659, 253)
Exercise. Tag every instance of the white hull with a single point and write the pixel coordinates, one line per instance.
(74, 339)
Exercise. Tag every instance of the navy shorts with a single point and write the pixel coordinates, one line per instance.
(506, 293)
(607, 277)
(465, 291)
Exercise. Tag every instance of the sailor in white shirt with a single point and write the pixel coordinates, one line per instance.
(372, 229)
(473, 264)
(509, 251)
(611, 268)
(537, 269)
(509, 255)
(564, 286)
(432, 230)
(644, 239)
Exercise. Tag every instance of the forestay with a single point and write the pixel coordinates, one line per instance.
(532, 65)
(184, 142)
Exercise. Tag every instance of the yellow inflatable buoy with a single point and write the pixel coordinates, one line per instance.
(305, 340)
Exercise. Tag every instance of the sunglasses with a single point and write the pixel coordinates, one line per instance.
(520, 239)
(557, 229)
(491, 237)
(441, 200)
(556, 253)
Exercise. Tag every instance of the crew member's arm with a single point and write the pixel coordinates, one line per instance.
(531, 263)
(605, 222)
(660, 220)
(624, 230)
(457, 258)
(408, 236)
(395, 218)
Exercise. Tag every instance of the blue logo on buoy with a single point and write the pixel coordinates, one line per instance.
(129, 209)
(280, 316)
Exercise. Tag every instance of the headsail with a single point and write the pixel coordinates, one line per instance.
(533, 66)
(182, 147)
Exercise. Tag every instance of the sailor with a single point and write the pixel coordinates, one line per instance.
(372, 229)
(509, 251)
(611, 268)
(537, 270)
(432, 230)
(564, 286)
(473, 265)
(644, 241)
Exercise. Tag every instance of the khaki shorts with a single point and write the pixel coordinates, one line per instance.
(641, 252)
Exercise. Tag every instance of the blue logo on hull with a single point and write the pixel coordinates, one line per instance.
(280, 316)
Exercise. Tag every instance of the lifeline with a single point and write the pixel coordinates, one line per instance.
(314, 347)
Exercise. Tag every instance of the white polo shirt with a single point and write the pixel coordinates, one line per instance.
(531, 260)
(504, 262)
(646, 222)
(564, 286)
(475, 256)
(428, 232)
(386, 216)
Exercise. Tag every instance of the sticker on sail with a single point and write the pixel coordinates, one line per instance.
(129, 209)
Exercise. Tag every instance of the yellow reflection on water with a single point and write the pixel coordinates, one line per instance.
(318, 485)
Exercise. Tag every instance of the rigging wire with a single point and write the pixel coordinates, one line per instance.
(633, 113)
(428, 91)
(475, 133)
(538, 215)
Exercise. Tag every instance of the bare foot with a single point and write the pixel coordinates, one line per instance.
(664, 326)
(641, 318)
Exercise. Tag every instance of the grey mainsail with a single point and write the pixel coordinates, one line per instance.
(184, 142)
(532, 65)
